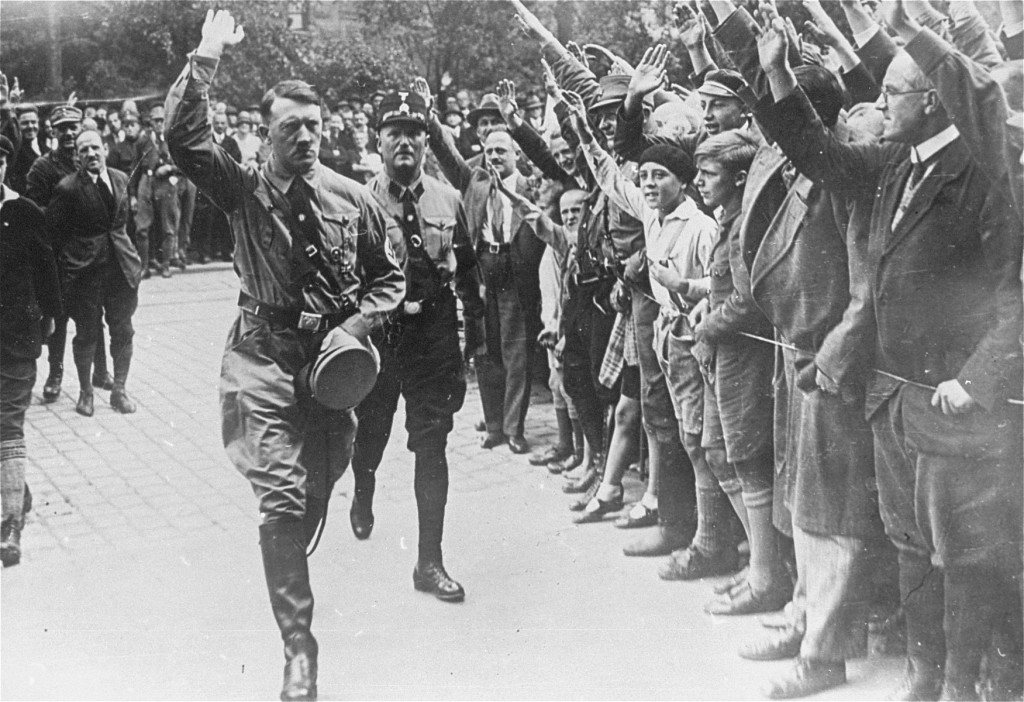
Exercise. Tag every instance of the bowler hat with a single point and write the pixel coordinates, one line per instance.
(6, 147)
(402, 107)
(489, 105)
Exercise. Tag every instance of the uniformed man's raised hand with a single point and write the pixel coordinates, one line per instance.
(219, 32)
(577, 53)
(421, 87)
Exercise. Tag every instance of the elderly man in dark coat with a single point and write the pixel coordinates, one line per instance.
(944, 313)
(102, 269)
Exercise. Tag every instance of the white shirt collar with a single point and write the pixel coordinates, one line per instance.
(105, 176)
(8, 194)
(934, 144)
(511, 180)
(684, 211)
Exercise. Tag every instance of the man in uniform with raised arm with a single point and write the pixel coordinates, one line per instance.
(315, 266)
(419, 346)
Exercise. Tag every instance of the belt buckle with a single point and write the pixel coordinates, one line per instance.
(309, 321)
(494, 247)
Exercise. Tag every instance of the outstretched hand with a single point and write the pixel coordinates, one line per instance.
(551, 86)
(894, 14)
(219, 32)
(507, 104)
(529, 23)
(650, 72)
(773, 44)
(422, 88)
(821, 27)
(577, 53)
(691, 23)
(578, 111)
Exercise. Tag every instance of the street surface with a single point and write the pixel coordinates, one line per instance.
(141, 576)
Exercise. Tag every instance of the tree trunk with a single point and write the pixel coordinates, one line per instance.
(565, 20)
(55, 80)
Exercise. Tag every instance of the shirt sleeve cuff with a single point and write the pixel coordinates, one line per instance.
(862, 38)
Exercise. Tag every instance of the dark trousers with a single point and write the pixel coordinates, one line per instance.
(423, 365)
(503, 373)
(102, 290)
(587, 330)
(57, 342)
(956, 522)
(17, 376)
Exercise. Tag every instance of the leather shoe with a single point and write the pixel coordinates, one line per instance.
(550, 455)
(807, 677)
(493, 438)
(102, 381)
(361, 519)
(51, 388)
(691, 563)
(638, 517)
(300, 669)
(659, 542)
(732, 584)
(431, 577)
(10, 543)
(570, 462)
(776, 645)
(518, 444)
(596, 509)
(580, 503)
(745, 601)
(120, 401)
(85, 404)
(576, 487)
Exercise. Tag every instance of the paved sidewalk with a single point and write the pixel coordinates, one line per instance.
(141, 576)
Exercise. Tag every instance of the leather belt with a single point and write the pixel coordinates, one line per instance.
(297, 319)
(494, 248)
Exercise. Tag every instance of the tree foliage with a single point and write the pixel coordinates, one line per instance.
(114, 48)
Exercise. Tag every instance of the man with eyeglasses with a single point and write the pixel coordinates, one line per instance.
(944, 316)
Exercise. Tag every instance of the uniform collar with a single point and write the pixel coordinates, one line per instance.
(934, 144)
(282, 180)
(397, 190)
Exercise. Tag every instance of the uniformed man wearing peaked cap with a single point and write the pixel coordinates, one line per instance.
(419, 347)
(313, 259)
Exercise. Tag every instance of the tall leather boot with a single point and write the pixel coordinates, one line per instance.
(51, 388)
(284, 564)
(923, 595)
(431, 486)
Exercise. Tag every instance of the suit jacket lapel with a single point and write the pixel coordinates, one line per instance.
(517, 219)
(951, 163)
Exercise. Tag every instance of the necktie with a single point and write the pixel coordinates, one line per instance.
(917, 171)
(496, 210)
(107, 196)
(411, 218)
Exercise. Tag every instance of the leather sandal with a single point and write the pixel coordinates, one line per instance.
(638, 517)
(691, 563)
(746, 601)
